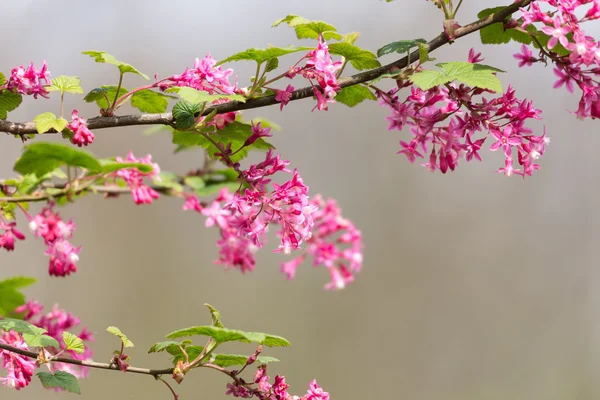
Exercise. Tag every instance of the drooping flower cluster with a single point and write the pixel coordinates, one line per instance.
(28, 80)
(20, 368)
(9, 234)
(134, 178)
(454, 122)
(82, 136)
(562, 22)
(204, 76)
(56, 234)
(55, 323)
(335, 244)
(320, 67)
(262, 389)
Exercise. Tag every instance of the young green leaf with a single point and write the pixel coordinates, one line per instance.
(10, 296)
(195, 96)
(32, 335)
(46, 121)
(192, 352)
(8, 102)
(359, 58)
(102, 57)
(117, 332)
(401, 47)
(2, 79)
(101, 94)
(169, 180)
(60, 380)
(272, 64)
(353, 95)
(474, 75)
(292, 20)
(194, 182)
(313, 29)
(213, 188)
(168, 345)
(185, 114)
(44, 157)
(66, 84)
(73, 343)
(262, 55)
(228, 360)
(215, 314)
(109, 165)
(222, 335)
(16, 282)
(149, 101)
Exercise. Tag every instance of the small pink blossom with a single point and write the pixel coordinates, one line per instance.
(315, 392)
(525, 57)
(284, 96)
(20, 368)
(7, 239)
(82, 136)
(134, 178)
(28, 80)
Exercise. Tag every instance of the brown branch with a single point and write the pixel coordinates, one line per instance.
(19, 128)
(92, 364)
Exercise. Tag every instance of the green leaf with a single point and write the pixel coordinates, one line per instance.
(43, 157)
(228, 360)
(8, 102)
(32, 335)
(216, 316)
(99, 95)
(185, 114)
(168, 345)
(117, 332)
(46, 121)
(102, 57)
(351, 37)
(194, 182)
(214, 188)
(353, 95)
(313, 29)
(168, 180)
(2, 79)
(401, 47)
(222, 335)
(60, 379)
(17, 282)
(272, 64)
(359, 58)
(72, 342)
(10, 297)
(192, 352)
(66, 84)
(262, 55)
(149, 101)
(474, 75)
(292, 20)
(192, 95)
(109, 165)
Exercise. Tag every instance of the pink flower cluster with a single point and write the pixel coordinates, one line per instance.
(262, 389)
(335, 243)
(82, 136)
(56, 234)
(203, 76)
(7, 238)
(582, 66)
(134, 178)
(28, 80)
(320, 67)
(445, 121)
(20, 369)
(55, 323)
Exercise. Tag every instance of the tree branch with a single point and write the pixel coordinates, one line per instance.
(20, 128)
(31, 354)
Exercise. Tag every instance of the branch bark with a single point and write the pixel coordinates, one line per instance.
(21, 128)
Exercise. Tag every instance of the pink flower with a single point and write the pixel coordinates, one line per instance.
(29, 81)
(20, 368)
(525, 56)
(284, 96)
(505, 139)
(134, 178)
(192, 203)
(7, 239)
(557, 33)
(257, 133)
(203, 76)
(315, 392)
(82, 136)
(474, 57)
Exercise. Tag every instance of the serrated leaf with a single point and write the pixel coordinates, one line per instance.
(32, 335)
(195, 96)
(313, 29)
(185, 114)
(292, 20)
(149, 101)
(103, 57)
(215, 314)
(46, 121)
(99, 95)
(272, 64)
(351, 37)
(474, 75)
(73, 343)
(401, 47)
(66, 84)
(43, 157)
(109, 165)
(222, 335)
(262, 55)
(8, 102)
(353, 95)
(228, 360)
(168, 345)
(61, 380)
(359, 58)
(192, 352)
(117, 332)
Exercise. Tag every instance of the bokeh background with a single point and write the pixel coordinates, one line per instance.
(475, 286)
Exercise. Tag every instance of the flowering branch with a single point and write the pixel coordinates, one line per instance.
(19, 128)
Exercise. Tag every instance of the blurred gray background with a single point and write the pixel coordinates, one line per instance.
(475, 286)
